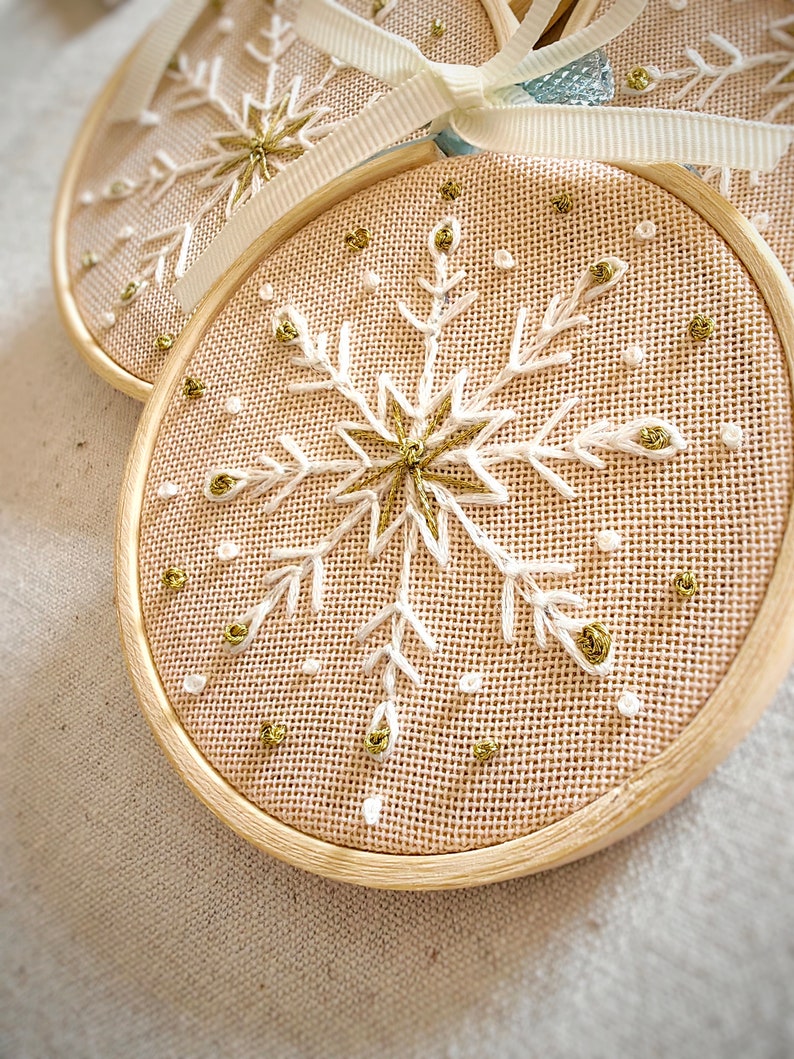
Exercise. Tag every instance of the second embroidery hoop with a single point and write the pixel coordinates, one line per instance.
(748, 680)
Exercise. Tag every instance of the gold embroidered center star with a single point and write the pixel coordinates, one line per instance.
(415, 459)
(253, 154)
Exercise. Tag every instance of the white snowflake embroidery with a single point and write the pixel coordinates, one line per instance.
(255, 141)
(417, 466)
(701, 79)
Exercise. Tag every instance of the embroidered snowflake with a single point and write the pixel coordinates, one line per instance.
(419, 467)
(255, 141)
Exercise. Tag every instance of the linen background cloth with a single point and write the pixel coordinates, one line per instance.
(135, 924)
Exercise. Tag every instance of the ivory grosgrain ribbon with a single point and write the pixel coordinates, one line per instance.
(145, 67)
(480, 105)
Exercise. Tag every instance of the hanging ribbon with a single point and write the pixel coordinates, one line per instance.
(480, 105)
(145, 67)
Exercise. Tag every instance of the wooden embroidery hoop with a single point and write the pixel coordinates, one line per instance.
(504, 24)
(750, 683)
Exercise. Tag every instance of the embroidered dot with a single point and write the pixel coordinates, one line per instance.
(654, 439)
(732, 436)
(701, 327)
(638, 79)
(485, 749)
(378, 6)
(678, 5)
(602, 271)
(164, 342)
(126, 233)
(129, 292)
(233, 406)
(225, 25)
(118, 189)
(193, 388)
(595, 643)
(174, 578)
(271, 734)
(686, 584)
(370, 281)
(227, 550)
(562, 202)
(194, 683)
(371, 809)
(89, 259)
(504, 259)
(311, 667)
(168, 490)
(645, 231)
(450, 190)
(377, 741)
(470, 683)
(633, 356)
(221, 484)
(235, 632)
(629, 704)
(760, 221)
(87, 198)
(608, 540)
(108, 319)
(286, 331)
(444, 239)
(358, 239)
(266, 292)
(437, 29)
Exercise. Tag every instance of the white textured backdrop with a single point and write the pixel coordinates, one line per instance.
(134, 924)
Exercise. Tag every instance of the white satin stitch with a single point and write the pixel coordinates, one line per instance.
(480, 105)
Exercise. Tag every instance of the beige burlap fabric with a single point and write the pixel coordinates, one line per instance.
(729, 58)
(718, 512)
(141, 227)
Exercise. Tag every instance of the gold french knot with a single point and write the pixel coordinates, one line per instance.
(286, 331)
(654, 438)
(174, 578)
(164, 342)
(272, 734)
(235, 632)
(193, 388)
(485, 749)
(437, 29)
(378, 6)
(377, 742)
(89, 259)
(130, 290)
(562, 203)
(450, 190)
(358, 239)
(638, 79)
(444, 238)
(221, 484)
(602, 272)
(595, 642)
(686, 584)
(701, 327)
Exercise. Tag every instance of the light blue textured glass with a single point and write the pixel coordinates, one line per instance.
(587, 82)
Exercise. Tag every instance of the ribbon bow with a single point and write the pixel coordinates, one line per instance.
(480, 105)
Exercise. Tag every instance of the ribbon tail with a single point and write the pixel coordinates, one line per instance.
(357, 42)
(498, 70)
(151, 58)
(385, 122)
(562, 52)
(625, 134)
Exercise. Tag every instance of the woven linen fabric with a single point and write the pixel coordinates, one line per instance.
(129, 231)
(134, 924)
(717, 512)
(730, 58)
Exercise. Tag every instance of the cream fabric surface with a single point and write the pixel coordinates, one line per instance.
(134, 924)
